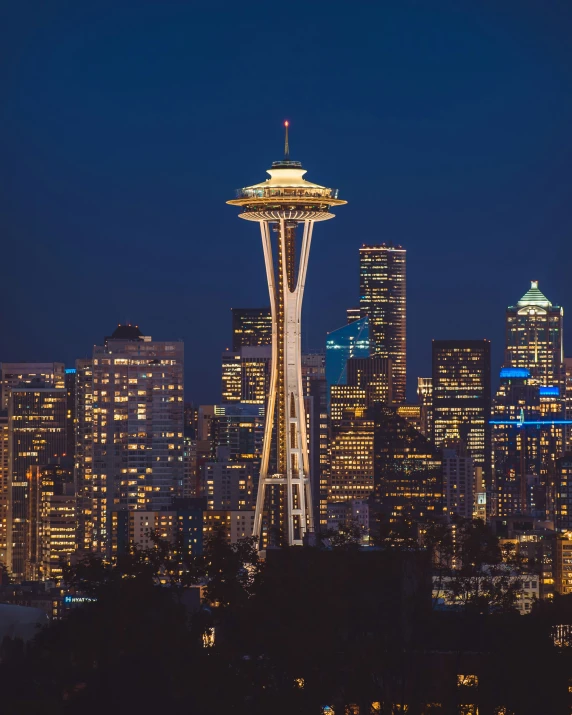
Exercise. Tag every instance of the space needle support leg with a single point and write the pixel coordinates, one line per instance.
(271, 402)
(299, 516)
(306, 488)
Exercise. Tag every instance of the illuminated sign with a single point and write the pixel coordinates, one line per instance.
(549, 391)
(518, 372)
(76, 600)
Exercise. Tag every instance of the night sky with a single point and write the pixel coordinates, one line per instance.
(125, 126)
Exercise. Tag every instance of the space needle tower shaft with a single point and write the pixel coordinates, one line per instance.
(286, 206)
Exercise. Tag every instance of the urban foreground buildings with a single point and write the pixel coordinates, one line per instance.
(282, 205)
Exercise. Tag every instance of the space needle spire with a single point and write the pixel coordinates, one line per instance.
(286, 206)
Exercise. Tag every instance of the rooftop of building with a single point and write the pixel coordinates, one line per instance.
(126, 332)
(534, 296)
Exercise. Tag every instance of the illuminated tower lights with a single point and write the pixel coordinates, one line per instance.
(283, 204)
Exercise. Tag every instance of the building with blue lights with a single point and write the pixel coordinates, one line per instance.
(534, 337)
(528, 426)
(349, 341)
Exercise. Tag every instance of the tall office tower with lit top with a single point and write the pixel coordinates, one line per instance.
(383, 300)
(534, 337)
(282, 205)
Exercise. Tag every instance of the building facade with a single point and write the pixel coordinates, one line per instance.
(5, 513)
(137, 428)
(461, 400)
(534, 337)
(408, 473)
(528, 436)
(458, 479)
(20, 373)
(246, 375)
(37, 433)
(251, 327)
(383, 300)
(349, 341)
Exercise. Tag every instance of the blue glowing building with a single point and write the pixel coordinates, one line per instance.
(349, 341)
(528, 426)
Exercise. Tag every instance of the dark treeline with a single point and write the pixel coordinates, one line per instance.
(310, 627)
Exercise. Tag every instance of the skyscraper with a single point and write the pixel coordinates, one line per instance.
(408, 475)
(246, 375)
(425, 398)
(37, 424)
(53, 521)
(315, 390)
(528, 433)
(349, 341)
(137, 419)
(83, 454)
(351, 459)
(20, 373)
(534, 337)
(458, 479)
(251, 327)
(280, 205)
(70, 385)
(462, 396)
(383, 300)
(5, 516)
(374, 375)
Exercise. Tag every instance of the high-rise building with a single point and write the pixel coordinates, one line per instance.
(344, 398)
(37, 433)
(534, 337)
(246, 375)
(353, 314)
(53, 520)
(5, 515)
(412, 414)
(137, 418)
(351, 459)
(70, 385)
(374, 375)
(280, 205)
(383, 300)
(20, 373)
(408, 475)
(462, 396)
(528, 430)
(228, 484)
(425, 397)
(458, 479)
(239, 428)
(563, 566)
(349, 341)
(84, 453)
(567, 395)
(315, 390)
(251, 327)
(563, 496)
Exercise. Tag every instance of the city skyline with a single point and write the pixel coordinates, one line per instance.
(434, 147)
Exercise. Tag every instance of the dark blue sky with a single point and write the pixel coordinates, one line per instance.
(125, 126)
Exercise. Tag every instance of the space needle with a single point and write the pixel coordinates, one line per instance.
(286, 206)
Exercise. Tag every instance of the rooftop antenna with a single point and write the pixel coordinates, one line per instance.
(286, 145)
